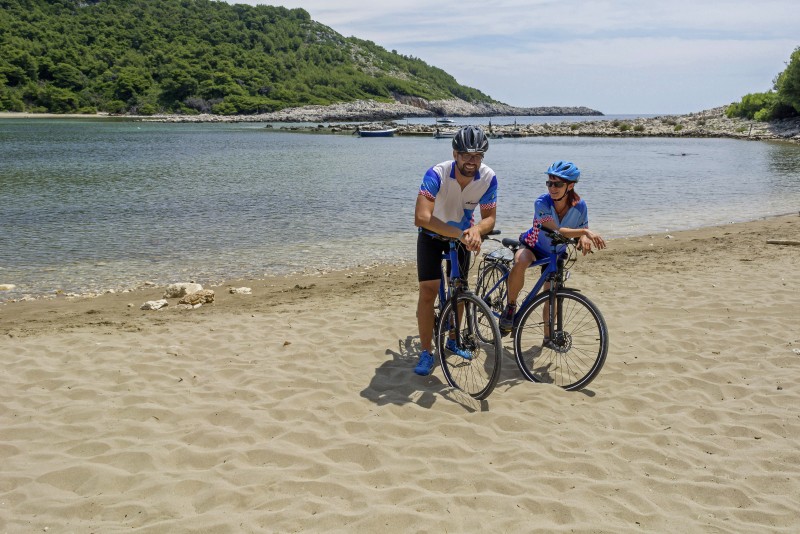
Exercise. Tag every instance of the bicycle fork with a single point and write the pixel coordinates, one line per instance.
(554, 323)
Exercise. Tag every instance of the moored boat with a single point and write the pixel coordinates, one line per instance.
(388, 132)
(443, 134)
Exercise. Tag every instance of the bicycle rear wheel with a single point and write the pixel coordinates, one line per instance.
(488, 278)
(471, 361)
(577, 346)
(492, 288)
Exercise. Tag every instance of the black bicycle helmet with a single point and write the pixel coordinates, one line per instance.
(470, 139)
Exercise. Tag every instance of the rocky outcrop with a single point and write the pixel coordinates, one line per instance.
(708, 123)
(370, 110)
(460, 108)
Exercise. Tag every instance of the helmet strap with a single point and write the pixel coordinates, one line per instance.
(566, 192)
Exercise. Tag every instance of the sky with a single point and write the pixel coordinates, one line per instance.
(615, 56)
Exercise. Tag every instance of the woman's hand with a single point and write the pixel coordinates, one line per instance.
(589, 239)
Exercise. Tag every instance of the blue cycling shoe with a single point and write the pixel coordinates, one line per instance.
(452, 347)
(425, 364)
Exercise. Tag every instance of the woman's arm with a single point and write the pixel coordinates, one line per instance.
(586, 238)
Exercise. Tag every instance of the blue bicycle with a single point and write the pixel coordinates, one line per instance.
(466, 334)
(560, 336)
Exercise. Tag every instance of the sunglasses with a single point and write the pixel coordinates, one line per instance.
(557, 185)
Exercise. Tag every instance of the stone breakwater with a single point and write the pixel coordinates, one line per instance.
(708, 123)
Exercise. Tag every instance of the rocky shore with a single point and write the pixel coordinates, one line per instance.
(708, 123)
(370, 110)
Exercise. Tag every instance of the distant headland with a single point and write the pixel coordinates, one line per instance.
(708, 123)
(403, 107)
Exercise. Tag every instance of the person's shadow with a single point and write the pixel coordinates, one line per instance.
(394, 382)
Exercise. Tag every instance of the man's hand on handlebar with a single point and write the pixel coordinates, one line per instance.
(472, 239)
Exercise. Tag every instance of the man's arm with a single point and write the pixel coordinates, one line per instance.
(472, 236)
(423, 217)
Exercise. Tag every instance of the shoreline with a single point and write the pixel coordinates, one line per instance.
(149, 287)
(712, 123)
(151, 291)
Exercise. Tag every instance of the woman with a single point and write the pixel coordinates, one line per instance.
(559, 209)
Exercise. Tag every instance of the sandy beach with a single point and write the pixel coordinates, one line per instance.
(295, 409)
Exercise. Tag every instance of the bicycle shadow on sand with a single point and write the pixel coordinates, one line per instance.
(512, 377)
(395, 383)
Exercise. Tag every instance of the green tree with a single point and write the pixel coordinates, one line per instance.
(782, 102)
(192, 55)
(68, 77)
(788, 83)
(131, 82)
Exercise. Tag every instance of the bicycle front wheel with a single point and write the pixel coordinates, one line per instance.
(469, 345)
(569, 352)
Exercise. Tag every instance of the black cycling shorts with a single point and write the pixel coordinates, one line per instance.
(538, 255)
(429, 257)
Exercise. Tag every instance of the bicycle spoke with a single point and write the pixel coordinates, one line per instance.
(470, 355)
(576, 349)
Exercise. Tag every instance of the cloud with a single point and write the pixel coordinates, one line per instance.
(625, 55)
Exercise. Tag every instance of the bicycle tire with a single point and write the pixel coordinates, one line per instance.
(477, 376)
(578, 349)
(489, 276)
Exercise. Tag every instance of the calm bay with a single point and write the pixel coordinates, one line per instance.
(90, 205)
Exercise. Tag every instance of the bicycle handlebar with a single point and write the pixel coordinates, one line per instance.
(455, 239)
(557, 238)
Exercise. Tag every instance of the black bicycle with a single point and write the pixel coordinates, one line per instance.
(560, 336)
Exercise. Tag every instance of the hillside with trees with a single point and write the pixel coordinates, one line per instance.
(194, 56)
(782, 102)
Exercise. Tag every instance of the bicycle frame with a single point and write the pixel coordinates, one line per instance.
(450, 287)
(551, 273)
(559, 335)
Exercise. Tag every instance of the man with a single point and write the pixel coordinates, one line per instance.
(447, 198)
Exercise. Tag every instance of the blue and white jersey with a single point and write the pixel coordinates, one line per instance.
(452, 204)
(545, 210)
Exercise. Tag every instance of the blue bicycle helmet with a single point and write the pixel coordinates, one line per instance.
(566, 170)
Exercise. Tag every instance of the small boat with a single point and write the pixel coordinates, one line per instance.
(439, 134)
(389, 132)
(445, 120)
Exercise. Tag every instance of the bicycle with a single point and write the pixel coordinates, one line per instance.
(466, 334)
(559, 336)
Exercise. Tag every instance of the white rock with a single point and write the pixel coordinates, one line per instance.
(154, 304)
(241, 291)
(181, 289)
(7, 287)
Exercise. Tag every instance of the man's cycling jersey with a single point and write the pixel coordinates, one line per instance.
(545, 210)
(452, 205)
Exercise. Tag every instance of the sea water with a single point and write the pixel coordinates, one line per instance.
(91, 205)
